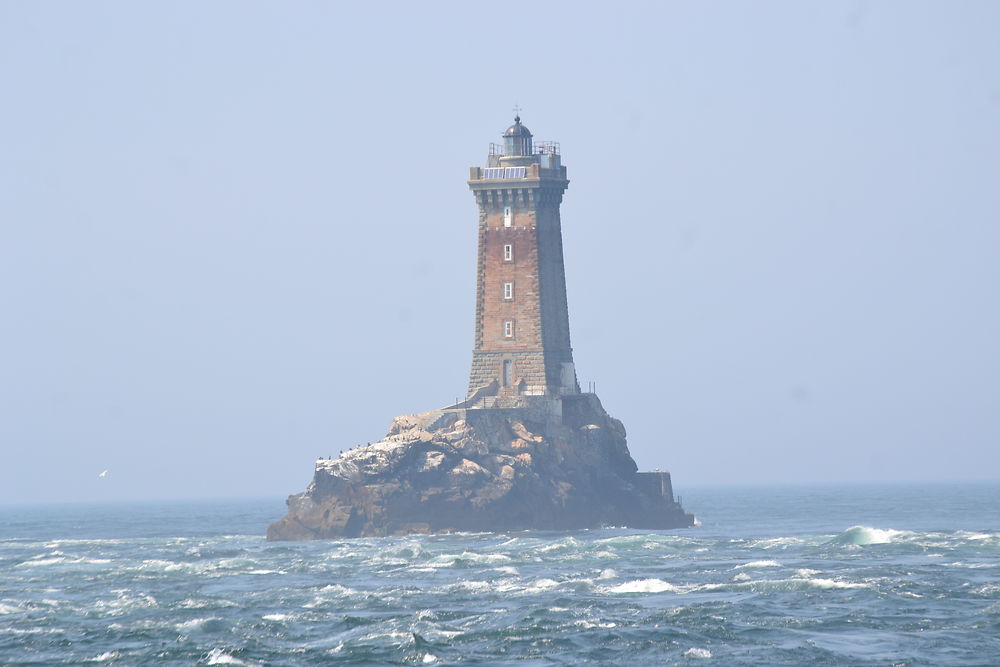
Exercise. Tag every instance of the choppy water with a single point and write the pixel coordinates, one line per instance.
(860, 575)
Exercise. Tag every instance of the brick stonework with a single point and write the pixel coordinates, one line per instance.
(539, 350)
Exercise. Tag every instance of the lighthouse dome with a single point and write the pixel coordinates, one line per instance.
(517, 130)
(517, 139)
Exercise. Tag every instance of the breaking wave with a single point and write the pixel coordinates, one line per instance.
(865, 535)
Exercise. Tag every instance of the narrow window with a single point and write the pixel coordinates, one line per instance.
(508, 290)
(508, 329)
(508, 372)
(508, 252)
(507, 216)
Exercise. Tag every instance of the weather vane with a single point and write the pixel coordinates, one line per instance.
(517, 112)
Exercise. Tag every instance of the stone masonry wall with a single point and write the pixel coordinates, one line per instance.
(537, 307)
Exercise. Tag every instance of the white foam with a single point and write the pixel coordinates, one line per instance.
(540, 585)
(697, 653)
(193, 624)
(192, 603)
(335, 592)
(218, 657)
(607, 573)
(566, 543)
(337, 588)
(39, 561)
(742, 576)
(429, 658)
(104, 657)
(975, 537)
(472, 586)
(452, 560)
(793, 584)
(278, 617)
(832, 583)
(8, 609)
(643, 586)
(987, 589)
(759, 563)
(32, 631)
(777, 542)
(863, 536)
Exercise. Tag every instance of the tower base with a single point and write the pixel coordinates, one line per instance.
(546, 463)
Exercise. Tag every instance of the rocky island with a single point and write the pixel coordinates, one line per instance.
(527, 449)
(469, 469)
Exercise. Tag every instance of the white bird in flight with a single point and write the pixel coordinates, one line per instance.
(103, 474)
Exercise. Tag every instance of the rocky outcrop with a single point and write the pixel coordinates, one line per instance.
(544, 464)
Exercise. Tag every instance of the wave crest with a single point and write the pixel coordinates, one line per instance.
(865, 535)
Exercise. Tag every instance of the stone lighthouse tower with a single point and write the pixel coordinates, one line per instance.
(522, 345)
(525, 449)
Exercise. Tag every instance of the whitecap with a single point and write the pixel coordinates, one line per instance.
(219, 657)
(863, 536)
(768, 585)
(560, 545)
(644, 586)
(278, 617)
(192, 603)
(193, 624)
(777, 542)
(337, 588)
(697, 653)
(337, 591)
(8, 609)
(759, 563)
(41, 561)
(453, 560)
(832, 583)
(607, 573)
(472, 586)
(104, 657)
(429, 658)
(32, 631)
(519, 587)
(742, 576)
(987, 589)
(540, 585)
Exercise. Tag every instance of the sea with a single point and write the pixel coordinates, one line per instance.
(799, 575)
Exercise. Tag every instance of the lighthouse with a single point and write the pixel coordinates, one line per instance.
(525, 449)
(522, 344)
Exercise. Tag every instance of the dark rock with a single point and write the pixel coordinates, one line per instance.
(540, 464)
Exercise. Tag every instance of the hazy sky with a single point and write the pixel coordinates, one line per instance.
(236, 236)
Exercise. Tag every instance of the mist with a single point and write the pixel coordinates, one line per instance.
(236, 237)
